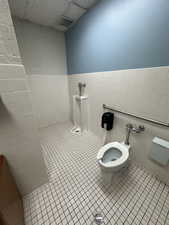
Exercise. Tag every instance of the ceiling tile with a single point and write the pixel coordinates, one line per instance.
(85, 3)
(74, 12)
(49, 12)
(45, 11)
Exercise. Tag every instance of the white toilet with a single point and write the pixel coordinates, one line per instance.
(112, 157)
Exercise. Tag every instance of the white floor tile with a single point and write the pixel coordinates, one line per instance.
(76, 191)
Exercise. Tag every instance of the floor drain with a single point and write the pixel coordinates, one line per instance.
(76, 130)
(98, 218)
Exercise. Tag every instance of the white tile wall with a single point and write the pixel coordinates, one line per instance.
(5, 17)
(13, 85)
(42, 49)
(18, 131)
(44, 56)
(21, 147)
(9, 52)
(143, 92)
(18, 102)
(53, 91)
(12, 72)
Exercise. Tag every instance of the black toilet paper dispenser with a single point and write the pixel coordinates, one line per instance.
(107, 120)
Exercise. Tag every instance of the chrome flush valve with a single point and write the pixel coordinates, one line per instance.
(132, 129)
(81, 87)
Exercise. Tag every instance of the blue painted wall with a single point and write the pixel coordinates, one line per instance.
(120, 34)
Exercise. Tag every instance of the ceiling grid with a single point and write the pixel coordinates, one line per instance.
(51, 12)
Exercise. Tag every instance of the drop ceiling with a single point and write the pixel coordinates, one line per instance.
(50, 12)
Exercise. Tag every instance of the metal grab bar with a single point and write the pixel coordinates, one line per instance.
(138, 117)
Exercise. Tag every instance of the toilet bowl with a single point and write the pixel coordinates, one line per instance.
(111, 158)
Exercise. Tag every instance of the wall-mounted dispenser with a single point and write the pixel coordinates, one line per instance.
(107, 120)
(160, 151)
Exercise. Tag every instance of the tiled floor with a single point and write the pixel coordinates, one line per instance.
(76, 190)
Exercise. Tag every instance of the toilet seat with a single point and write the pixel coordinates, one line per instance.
(124, 150)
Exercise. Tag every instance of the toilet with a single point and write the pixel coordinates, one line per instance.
(112, 157)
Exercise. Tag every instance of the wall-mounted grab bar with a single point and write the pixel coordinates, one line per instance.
(138, 117)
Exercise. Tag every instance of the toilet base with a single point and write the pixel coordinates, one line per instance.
(108, 176)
